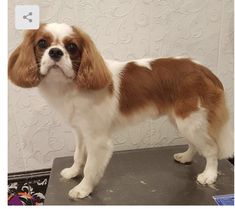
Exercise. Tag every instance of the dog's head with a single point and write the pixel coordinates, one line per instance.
(59, 47)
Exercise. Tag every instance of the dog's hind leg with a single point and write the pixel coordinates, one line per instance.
(187, 156)
(194, 128)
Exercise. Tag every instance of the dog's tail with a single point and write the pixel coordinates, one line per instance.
(225, 142)
(220, 128)
(224, 139)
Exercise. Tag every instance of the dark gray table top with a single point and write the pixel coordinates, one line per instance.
(144, 177)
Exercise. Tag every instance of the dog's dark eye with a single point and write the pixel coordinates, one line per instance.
(43, 44)
(71, 48)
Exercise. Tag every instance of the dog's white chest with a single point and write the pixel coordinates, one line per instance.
(60, 93)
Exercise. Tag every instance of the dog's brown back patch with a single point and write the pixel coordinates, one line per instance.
(172, 85)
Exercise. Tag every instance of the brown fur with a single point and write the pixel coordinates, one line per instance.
(173, 85)
(24, 61)
(22, 66)
(93, 73)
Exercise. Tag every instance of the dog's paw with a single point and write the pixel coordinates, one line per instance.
(79, 192)
(207, 177)
(69, 173)
(182, 157)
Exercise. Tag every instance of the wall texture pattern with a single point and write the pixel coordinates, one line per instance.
(122, 30)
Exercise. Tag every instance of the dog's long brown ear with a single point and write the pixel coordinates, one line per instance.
(93, 72)
(22, 66)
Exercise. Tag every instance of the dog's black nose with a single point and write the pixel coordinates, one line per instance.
(56, 54)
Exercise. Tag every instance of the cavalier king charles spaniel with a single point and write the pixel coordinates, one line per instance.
(95, 96)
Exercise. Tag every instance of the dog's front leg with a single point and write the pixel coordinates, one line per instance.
(99, 152)
(79, 158)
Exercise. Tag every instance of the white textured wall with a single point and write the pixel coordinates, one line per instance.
(122, 29)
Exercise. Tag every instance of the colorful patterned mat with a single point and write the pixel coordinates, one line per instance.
(27, 188)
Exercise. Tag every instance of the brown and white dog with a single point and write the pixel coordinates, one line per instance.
(95, 96)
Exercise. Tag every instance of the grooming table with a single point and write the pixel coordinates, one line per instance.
(144, 177)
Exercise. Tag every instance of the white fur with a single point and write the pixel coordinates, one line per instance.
(180, 57)
(184, 57)
(93, 133)
(59, 30)
(187, 156)
(225, 142)
(144, 62)
(64, 64)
